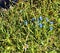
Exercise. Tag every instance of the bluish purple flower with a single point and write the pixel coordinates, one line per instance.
(33, 19)
(51, 28)
(25, 22)
(51, 22)
(40, 18)
(40, 25)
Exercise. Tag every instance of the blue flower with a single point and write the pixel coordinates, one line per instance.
(51, 22)
(51, 28)
(33, 19)
(47, 19)
(40, 18)
(25, 22)
(40, 25)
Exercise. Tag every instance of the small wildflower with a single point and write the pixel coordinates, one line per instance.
(25, 22)
(41, 25)
(47, 19)
(51, 22)
(25, 47)
(40, 18)
(51, 28)
(33, 19)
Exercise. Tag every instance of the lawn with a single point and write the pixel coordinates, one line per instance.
(30, 26)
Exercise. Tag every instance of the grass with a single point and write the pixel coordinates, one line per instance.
(31, 27)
